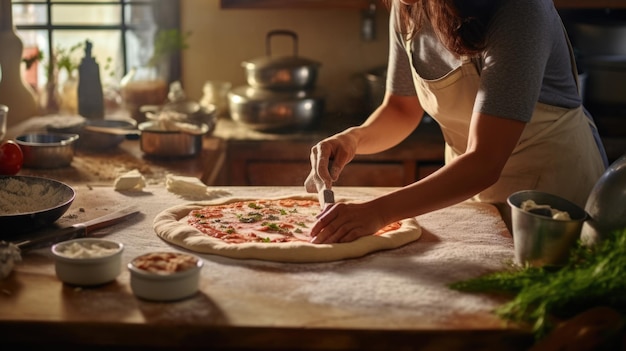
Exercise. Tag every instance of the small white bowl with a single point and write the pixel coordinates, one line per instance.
(88, 261)
(165, 276)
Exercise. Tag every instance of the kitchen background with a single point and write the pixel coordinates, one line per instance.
(349, 38)
(223, 38)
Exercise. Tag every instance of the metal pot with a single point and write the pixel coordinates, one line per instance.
(47, 150)
(268, 110)
(285, 72)
(155, 141)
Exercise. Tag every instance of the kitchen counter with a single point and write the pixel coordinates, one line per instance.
(391, 300)
(262, 159)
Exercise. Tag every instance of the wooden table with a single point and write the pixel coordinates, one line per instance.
(390, 300)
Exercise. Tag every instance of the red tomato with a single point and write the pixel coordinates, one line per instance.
(11, 158)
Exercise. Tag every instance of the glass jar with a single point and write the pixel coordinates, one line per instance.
(140, 87)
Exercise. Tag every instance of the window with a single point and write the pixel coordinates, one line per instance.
(122, 33)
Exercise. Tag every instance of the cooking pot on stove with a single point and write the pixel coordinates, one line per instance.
(284, 72)
(269, 110)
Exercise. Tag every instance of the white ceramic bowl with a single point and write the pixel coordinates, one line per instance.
(88, 261)
(165, 276)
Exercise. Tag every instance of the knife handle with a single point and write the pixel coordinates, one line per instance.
(63, 234)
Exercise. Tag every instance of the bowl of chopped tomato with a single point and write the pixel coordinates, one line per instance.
(165, 276)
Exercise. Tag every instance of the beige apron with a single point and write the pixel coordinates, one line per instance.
(556, 153)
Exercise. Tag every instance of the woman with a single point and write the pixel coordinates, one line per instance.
(499, 77)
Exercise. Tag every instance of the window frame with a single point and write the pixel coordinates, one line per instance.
(160, 9)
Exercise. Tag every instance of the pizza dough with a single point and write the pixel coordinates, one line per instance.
(169, 226)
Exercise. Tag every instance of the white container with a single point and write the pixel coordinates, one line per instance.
(160, 284)
(88, 261)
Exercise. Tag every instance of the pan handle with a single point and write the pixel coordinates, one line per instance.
(284, 32)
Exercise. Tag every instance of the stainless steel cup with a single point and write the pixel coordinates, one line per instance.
(540, 240)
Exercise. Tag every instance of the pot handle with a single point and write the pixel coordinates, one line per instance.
(285, 32)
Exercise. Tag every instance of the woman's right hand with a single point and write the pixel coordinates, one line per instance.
(328, 158)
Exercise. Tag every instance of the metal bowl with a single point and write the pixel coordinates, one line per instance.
(541, 240)
(19, 213)
(47, 150)
(93, 133)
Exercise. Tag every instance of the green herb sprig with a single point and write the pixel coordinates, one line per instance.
(594, 276)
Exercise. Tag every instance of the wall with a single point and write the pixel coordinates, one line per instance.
(223, 38)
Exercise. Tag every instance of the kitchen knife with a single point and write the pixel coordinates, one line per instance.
(79, 230)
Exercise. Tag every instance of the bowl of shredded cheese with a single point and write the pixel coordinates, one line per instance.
(165, 276)
(88, 261)
(28, 203)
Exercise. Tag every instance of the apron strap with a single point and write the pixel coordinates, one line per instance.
(592, 123)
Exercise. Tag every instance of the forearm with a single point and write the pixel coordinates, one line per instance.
(388, 125)
(451, 184)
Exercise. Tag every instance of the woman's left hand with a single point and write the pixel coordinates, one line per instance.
(345, 222)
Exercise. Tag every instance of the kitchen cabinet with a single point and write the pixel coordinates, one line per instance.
(253, 158)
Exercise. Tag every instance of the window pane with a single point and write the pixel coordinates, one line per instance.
(107, 50)
(83, 1)
(29, 14)
(140, 38)
(86, 15)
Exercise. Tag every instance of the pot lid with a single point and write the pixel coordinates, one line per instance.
(282, 62)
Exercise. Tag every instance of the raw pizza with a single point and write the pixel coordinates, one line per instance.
(268, 229)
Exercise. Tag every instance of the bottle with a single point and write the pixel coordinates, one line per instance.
(14, 91)
(90, 94)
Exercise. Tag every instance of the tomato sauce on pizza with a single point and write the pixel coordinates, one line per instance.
(261, 221)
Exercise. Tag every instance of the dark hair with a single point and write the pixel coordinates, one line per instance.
(461, 25)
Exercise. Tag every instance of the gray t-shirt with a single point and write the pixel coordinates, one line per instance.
(526, 60)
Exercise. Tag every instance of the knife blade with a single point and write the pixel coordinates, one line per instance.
(79, 230)
(326, 196)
